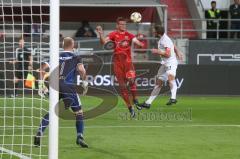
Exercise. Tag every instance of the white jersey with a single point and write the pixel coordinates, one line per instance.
(164, 42)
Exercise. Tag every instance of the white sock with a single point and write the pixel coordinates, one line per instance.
(173, 89)
(154, 94)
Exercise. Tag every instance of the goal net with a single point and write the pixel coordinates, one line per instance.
(24, 46)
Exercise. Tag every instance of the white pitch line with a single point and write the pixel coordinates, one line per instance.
(14, 153)
(151, 126)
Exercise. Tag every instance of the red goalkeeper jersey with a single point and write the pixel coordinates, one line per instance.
(123, 42)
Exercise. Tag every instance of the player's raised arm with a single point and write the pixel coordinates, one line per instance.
(103, 39)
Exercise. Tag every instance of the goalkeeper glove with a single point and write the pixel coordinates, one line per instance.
(42, 89)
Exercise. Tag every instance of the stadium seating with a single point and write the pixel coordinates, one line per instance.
(178, 9)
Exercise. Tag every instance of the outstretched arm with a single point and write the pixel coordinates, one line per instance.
(136, 41)
(103, 39)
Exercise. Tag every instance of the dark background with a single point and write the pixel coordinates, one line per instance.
(213, 47)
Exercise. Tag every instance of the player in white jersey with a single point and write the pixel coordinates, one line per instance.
(167, 71)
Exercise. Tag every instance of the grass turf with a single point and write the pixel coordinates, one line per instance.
(197, 127)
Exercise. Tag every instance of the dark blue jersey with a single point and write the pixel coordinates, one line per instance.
(68, 62)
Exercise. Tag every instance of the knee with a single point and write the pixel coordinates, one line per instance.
(171, 78)
(79, 114)
(159, 83)
(131, 81)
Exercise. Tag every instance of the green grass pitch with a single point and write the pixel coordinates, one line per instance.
(197, 127)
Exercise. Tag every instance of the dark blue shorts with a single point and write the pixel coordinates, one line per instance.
(69, 96)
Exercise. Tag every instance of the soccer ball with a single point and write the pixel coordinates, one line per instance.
(136, 17)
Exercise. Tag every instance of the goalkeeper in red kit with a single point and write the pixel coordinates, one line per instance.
(122, 60)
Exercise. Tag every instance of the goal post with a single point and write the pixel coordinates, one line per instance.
(54, 80)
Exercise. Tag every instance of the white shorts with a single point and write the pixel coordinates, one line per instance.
(164, 71)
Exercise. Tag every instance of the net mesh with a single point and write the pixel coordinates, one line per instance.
(21, 108)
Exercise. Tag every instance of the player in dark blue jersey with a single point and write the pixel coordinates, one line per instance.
(69, 66)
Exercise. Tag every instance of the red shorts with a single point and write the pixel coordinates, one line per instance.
(124, 71)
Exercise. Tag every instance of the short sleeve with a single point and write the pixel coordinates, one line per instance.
(131, 36)
(167, 43)
(111, 36)
(79, 60)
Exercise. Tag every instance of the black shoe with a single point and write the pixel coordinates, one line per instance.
(80, 141)
(171, 101)
(135, 101)
(37, 140)
(138, 107)
(132, 112)
(145, 105)
(136, 104)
